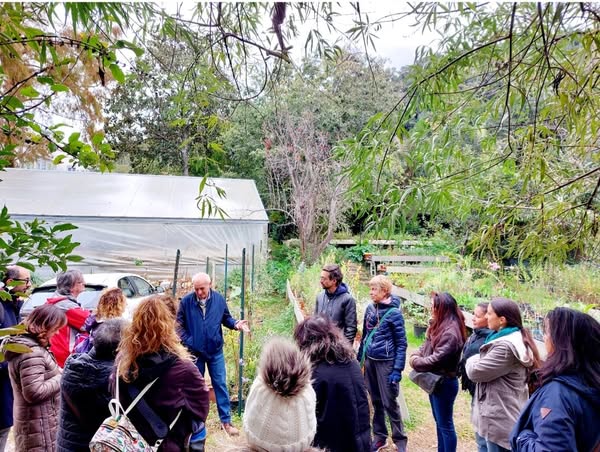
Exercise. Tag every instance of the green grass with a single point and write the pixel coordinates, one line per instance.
(414, 342)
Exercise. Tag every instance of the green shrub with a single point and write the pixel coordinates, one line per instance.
(356, 252)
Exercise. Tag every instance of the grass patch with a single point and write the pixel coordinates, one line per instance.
(414, 342)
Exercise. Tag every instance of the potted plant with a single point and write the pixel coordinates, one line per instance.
(419, 315)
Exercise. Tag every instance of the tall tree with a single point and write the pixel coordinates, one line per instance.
(166, 117)
(306, 179)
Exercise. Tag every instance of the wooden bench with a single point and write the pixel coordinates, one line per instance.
(377, 260)
(384, 243)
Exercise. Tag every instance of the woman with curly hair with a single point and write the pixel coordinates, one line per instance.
(342, 405)
(564, 413)
(501, 371)
(151, 349)
(111, 305)
(35, 379)
(440, 355)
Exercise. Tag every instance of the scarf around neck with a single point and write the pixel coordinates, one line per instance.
(501, 333)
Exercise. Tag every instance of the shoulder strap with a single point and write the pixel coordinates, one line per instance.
(370, 336)
(139, 396)
(147, 411)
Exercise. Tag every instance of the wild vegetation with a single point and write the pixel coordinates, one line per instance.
(491, 134)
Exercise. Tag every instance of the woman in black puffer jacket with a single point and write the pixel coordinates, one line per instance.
(476, 340)
(343, 423)
(84, 389)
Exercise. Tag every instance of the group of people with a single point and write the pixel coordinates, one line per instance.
(519, 401)
(61, 374)
(310, 393)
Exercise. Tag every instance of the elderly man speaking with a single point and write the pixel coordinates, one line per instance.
(200, 316)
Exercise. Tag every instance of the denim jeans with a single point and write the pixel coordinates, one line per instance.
(493, 447)
(218, 378)
(481, 443)
(442, 406)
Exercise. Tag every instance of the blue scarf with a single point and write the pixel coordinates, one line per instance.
(501, 333)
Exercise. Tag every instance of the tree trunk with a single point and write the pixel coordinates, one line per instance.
(185, 158)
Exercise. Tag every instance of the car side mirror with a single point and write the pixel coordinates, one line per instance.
(159, 289)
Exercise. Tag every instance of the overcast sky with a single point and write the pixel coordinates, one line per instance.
(397, 41)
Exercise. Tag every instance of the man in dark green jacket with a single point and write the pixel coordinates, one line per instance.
(17, 282)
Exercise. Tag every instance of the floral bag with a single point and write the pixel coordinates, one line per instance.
(117, 433)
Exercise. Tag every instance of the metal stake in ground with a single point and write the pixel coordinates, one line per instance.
(241, 361)
(177, 256)
(225, 288)
(252, 280)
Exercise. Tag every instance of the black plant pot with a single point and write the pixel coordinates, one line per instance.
(419, 330)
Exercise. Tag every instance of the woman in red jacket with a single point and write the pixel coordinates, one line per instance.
(151, 349)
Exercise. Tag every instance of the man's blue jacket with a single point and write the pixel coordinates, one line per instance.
(9, 316)
(201, 332)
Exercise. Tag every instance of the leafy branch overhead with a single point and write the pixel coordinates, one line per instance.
(497, 130)
(12, 347)
(35, 242)
(494, 132)
(207, 203)
(50, 72)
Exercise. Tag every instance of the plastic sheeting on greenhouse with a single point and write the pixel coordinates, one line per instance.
(136, 223)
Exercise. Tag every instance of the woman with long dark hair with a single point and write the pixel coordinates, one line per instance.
(35, 379)
(440, 355)
(564, 413)
(342, 405)
(501, 370)
(151, 349)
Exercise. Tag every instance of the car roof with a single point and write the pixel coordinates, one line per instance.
(105, 279)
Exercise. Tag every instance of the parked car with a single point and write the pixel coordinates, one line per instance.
(134, 287)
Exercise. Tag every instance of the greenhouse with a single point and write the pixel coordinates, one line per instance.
(136, 223)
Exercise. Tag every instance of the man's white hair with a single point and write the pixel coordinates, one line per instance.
(198, 277)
